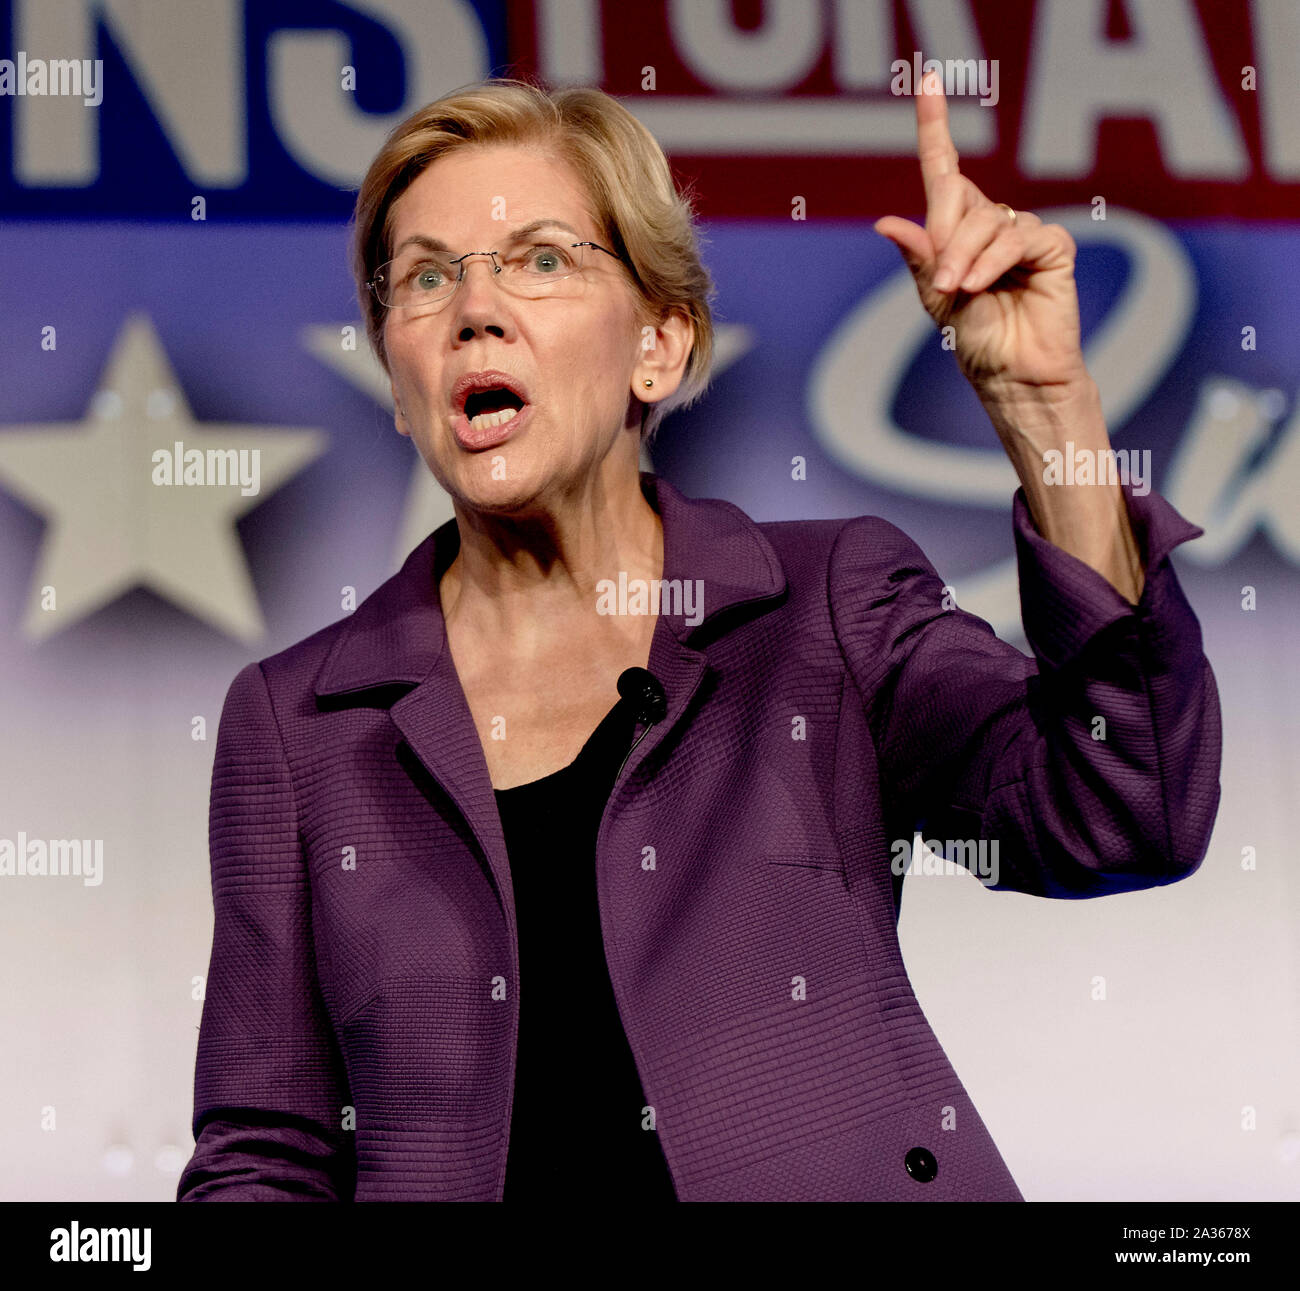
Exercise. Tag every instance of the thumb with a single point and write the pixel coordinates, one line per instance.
(912, 241)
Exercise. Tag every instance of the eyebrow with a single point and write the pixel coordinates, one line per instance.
(434, 244)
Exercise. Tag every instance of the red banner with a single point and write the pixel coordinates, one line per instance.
(1174, 107)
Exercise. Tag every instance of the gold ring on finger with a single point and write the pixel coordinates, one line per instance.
(1011, 215)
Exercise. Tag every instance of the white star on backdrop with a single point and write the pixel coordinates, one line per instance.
(111, 528)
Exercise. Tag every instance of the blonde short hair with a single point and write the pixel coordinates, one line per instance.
(639, 210)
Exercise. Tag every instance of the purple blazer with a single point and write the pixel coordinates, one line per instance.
(358, 1032)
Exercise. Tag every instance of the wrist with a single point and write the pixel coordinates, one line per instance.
(1030, 420)
(1038, 398)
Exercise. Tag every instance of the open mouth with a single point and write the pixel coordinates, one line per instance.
(486, 409)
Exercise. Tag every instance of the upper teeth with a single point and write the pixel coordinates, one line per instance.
(486, 420)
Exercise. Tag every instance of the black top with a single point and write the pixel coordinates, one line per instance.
(575, 1127)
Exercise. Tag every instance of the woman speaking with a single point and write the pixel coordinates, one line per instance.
(565, 866)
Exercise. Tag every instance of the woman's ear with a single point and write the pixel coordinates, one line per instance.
(664, 351)
(399, 417)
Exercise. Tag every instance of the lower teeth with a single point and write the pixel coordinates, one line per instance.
(490, 420)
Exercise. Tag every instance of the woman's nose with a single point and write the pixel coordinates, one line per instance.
(479, 302)
(478, 278)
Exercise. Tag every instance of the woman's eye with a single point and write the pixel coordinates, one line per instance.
(427, 278)
(423, 276)
(547, 259)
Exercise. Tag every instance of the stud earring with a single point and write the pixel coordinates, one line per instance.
(647, 383)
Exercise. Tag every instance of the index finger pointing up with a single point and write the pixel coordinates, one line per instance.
(934, 144)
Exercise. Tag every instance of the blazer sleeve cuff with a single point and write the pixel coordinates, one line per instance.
(1064, 602)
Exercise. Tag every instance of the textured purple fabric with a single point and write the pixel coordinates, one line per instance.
(363, 962)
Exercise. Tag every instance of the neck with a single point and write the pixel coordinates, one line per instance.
(529, 581)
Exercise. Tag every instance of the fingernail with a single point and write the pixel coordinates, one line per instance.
(945, 279)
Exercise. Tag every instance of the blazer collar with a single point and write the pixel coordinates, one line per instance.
(397, 633)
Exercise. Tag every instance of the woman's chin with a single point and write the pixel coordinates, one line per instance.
(496, 482)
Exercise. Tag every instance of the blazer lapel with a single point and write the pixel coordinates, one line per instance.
(395, 644)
